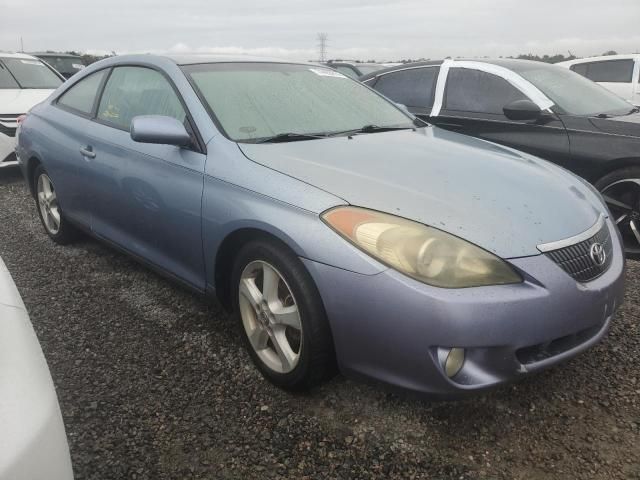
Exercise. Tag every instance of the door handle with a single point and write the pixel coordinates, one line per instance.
(88, 152)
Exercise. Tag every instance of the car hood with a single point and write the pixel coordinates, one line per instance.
(622, 125)
(502, 200)
(19, 101)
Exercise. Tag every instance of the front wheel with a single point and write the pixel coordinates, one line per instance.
(621, 192)
(282, 316)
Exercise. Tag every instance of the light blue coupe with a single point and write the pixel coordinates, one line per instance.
(339, 229)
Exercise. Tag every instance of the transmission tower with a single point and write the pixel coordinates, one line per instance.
(322, 45)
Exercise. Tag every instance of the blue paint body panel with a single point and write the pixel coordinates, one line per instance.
(174, 207)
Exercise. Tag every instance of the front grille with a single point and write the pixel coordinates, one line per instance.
(9, 124)
(576, 259)
(10, 158)
(542, 351)
(8, 131)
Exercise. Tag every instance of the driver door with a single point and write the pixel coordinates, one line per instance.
(148, 197)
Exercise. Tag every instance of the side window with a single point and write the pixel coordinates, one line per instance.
(133, 91)
(348, 71)
(614, 71)
(82, 95)
(480, 92)
(580, 68)
(413, 87)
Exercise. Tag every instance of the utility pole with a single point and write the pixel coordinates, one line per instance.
(21, 45)
(322, 46)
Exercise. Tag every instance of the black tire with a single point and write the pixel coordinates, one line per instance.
(317, 356)
(627, 193)
(66, 232)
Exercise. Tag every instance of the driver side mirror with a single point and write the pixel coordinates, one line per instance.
(522, 110)
(159, 129)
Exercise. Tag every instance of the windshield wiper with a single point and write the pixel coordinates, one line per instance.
(370, 129)
(290, 137)
(610, 115)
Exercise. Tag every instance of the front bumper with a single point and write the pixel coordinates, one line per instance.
(390, 328)
(7, 151)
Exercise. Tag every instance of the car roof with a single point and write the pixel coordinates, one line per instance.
(350, 62)
(24, 56)
(401, 66)
(508, 63)
(194, 59)
(53, 54)
(631, 56)
(504, 62)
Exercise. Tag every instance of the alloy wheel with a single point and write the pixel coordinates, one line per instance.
(48, 203)
(623, 199)
(270, 316)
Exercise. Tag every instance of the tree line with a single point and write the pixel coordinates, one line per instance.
(558, 57)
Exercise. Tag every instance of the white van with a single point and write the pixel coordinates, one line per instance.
(618, 73)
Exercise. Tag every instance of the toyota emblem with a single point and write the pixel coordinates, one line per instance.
(598, 255)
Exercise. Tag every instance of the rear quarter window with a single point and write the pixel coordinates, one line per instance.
(412, 87)
(82, 95)
(608, 71)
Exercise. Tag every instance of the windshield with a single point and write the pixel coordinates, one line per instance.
(29, 73)
(571, 92)
(65, 64)
(254, 101)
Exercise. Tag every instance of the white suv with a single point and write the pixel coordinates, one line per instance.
(24, 82)
(618, 73)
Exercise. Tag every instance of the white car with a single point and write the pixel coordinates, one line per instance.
(618, 73)
(33, 443)
(25, 81)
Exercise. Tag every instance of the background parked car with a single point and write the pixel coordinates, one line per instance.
(538, 108)
(65, 63)
(356, 69)
(618, 73)
(24, 82)
(33, 443)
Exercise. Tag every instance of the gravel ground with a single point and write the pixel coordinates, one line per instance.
(154, 383)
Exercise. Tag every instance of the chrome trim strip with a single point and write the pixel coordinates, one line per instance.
(567, 242)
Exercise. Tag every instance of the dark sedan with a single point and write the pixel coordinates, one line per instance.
(355, 69)
(65, 63)
(538, 108)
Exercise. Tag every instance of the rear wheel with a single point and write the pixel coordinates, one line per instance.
(621, 192)
(56, 226)
(281, 316)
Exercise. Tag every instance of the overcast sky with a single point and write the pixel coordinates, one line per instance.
(384, 30)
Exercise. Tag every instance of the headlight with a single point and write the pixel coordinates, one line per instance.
(424, 253)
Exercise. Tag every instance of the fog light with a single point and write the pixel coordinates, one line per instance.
(454, 362)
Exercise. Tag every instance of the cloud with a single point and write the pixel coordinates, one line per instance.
(357, 28)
